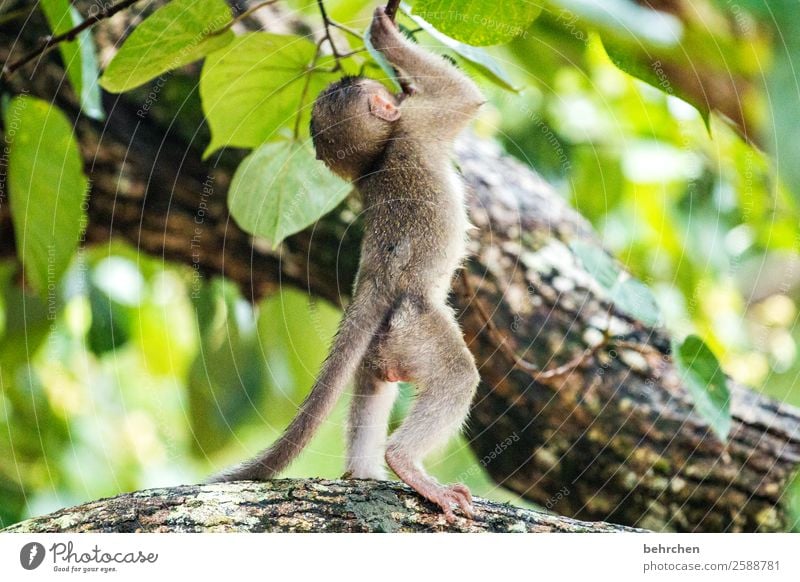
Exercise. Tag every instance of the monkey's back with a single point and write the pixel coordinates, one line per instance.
(415, 220)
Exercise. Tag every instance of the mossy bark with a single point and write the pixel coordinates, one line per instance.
(288, 505)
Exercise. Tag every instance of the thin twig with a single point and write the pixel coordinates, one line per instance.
(352, 53)
(391, 8)
(347, 29)
(306, 84)
(49, 42)
(242, 16)
(537, 374)
(327, 23)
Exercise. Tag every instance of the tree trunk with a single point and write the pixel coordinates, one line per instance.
(289, 505)
(614, 439)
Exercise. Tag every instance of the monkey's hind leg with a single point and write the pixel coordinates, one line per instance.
(368, 424)
(433, 350)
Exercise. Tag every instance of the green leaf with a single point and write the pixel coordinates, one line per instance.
(479, 23)
(639, 64)
(628, 294)
(634, 298)
(254, 88)
(176, 34)
(624, 20)
(782, 97)
(48, 189)
(78, 55)
(280, 189)
(791, 498)
(226, 379)
(706, 383)
(596, 262)
(110, 327)
(478, 58)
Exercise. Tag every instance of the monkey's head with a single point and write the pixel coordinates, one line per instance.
(350, 124)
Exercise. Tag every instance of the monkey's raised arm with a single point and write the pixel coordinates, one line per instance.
(441, 92)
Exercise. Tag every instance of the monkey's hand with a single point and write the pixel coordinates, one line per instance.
(384, 33)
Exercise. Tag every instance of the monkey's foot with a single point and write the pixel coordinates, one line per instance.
(445, 496)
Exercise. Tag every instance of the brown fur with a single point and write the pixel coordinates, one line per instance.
(398, 325)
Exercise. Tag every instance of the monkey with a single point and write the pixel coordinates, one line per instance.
(396, 150)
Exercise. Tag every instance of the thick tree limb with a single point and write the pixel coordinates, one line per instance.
(614, 439)
(287, 505)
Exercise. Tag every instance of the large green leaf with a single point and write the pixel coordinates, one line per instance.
(280, 189)
(706, 382)
(478, 58)
(174, 35)
(78, 55)
(48, 189)
(623, 20)
(637, 63)
(479, 23)
(254, 88)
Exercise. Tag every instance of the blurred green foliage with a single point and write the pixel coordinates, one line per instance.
(674, 133)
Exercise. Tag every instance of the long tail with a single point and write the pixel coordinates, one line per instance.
(360, 323)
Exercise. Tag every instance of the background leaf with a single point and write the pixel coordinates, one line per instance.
(651, 70)
(634, 298)
(597, 262)
(479, 23)
(478, 58)
(628, 294)
(280, 189)
(792, 501)
(176, 34)
(706, 382)
(226, 379)
(784, 95)
(78, 55)
(48, 187)
(254, 87)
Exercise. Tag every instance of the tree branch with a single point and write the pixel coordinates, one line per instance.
(391, 9)
(50, 42)
(288, 505)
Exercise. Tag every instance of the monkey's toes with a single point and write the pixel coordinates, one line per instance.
(455, 494)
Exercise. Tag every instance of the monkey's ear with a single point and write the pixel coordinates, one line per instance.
(382, 108)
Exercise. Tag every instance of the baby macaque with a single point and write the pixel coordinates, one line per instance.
(396, 150)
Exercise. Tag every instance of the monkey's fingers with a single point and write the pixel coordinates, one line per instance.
(383, 32)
